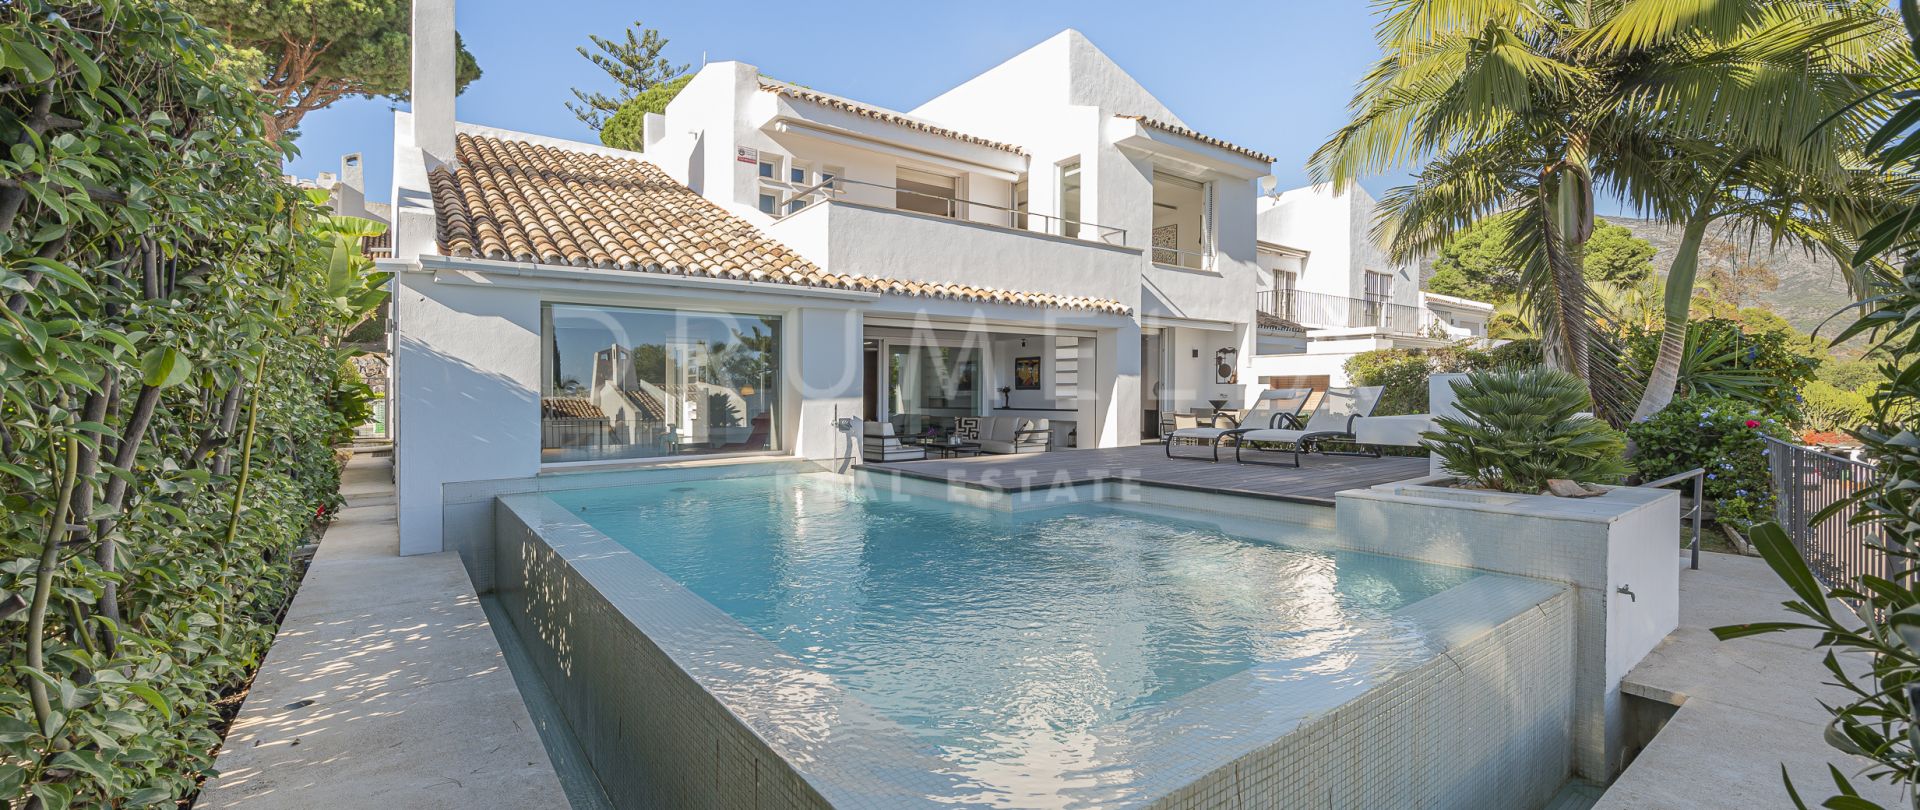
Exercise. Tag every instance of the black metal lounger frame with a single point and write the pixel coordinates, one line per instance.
(1217, 439)
(1308, 443)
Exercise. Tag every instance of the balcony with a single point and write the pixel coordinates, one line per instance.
(841, 189)
(1321, 311)
(957, 243)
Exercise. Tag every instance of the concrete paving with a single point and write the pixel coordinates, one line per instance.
(1745, 706)
(385, 686)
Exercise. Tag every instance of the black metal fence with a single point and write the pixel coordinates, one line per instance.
(1807, 481)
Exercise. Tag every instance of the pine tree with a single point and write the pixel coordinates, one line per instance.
(634, 64)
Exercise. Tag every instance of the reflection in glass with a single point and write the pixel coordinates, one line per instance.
(642, 383)
(930, 385)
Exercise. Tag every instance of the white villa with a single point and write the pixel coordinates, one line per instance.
(1322, 271)
(1046, 241)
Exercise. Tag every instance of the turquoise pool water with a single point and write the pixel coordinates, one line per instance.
(1010, 643)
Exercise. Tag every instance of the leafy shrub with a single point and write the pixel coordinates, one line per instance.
(1521, 427)
(1403, 372)
(1826, 408)
(1762, 368)
(1725, 437)
(166, 380)
(1849, 375)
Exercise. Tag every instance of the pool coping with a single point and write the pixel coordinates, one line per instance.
(1102, 479)
(885, 764)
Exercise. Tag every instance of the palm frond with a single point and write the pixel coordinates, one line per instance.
(1642, 24)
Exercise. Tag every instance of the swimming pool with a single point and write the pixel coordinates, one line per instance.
(1091, 654)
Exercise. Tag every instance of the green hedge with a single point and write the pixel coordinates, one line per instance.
(1404, 372)
(167, 370)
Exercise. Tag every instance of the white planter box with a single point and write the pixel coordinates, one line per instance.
(1626, 538)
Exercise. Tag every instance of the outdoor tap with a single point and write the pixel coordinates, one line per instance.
(1628, 591)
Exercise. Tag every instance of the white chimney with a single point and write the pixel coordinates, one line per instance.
(433, 85)
(350, 194)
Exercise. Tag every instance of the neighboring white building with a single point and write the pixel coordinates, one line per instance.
(1046, 240)
(1321, 269)
(348, 195)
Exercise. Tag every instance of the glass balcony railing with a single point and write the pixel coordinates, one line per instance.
(921, 202)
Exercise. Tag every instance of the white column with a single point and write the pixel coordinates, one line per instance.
(1441, 401)
(825, 376)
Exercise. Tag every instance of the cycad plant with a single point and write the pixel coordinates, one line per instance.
(1694, 111)
(1520, 428)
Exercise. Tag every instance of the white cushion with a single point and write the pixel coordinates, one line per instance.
(1401, 431)
(1272, 435)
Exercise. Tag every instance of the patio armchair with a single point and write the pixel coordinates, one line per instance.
(878, 443)
(1276, 407)
(1009, 435)
(1340, 410)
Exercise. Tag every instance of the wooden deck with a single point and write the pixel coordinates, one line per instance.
(1315, 481)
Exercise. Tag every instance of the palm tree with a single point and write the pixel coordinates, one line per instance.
(1522, 109)
(1756, 194)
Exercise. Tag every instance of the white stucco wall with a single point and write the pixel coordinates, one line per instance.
(1336, 229)
(468, 363)
(467, 360)
(856, 240)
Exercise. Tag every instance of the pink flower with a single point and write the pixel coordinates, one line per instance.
(1752, 424)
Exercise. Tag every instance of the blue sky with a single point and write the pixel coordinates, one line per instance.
(1274, 76)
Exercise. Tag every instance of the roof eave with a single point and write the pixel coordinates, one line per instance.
(1136, 135)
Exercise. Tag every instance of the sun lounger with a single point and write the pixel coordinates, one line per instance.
(1277, 407)
(1334, 420)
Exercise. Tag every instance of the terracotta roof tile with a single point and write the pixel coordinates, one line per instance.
(889, 116)
(1266, 320)
(1206, 139)
(517, 201)
(570, 408)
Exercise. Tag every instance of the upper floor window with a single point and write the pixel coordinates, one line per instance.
(926, 192)
(1070, 199)
(1018, 218)
(1376, 309)
(1379, 287)
(768, 199)
(1182, 226)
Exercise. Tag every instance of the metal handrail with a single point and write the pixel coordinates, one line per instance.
(1316, 310)
(1189, 259)
(1693, 516)
(1812, 501)
(959, 209)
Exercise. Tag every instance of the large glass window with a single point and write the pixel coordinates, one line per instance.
(642, 383)
(925, 192)
(929, 385)
(1180, 226)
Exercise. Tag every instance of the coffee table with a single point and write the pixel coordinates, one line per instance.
(940, 449)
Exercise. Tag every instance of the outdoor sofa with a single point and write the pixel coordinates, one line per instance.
(1005, 435)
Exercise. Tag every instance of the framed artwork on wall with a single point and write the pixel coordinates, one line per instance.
(1026, 373)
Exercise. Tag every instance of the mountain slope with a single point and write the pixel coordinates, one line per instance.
(1812, 286)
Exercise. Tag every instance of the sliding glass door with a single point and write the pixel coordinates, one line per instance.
(927, 386)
